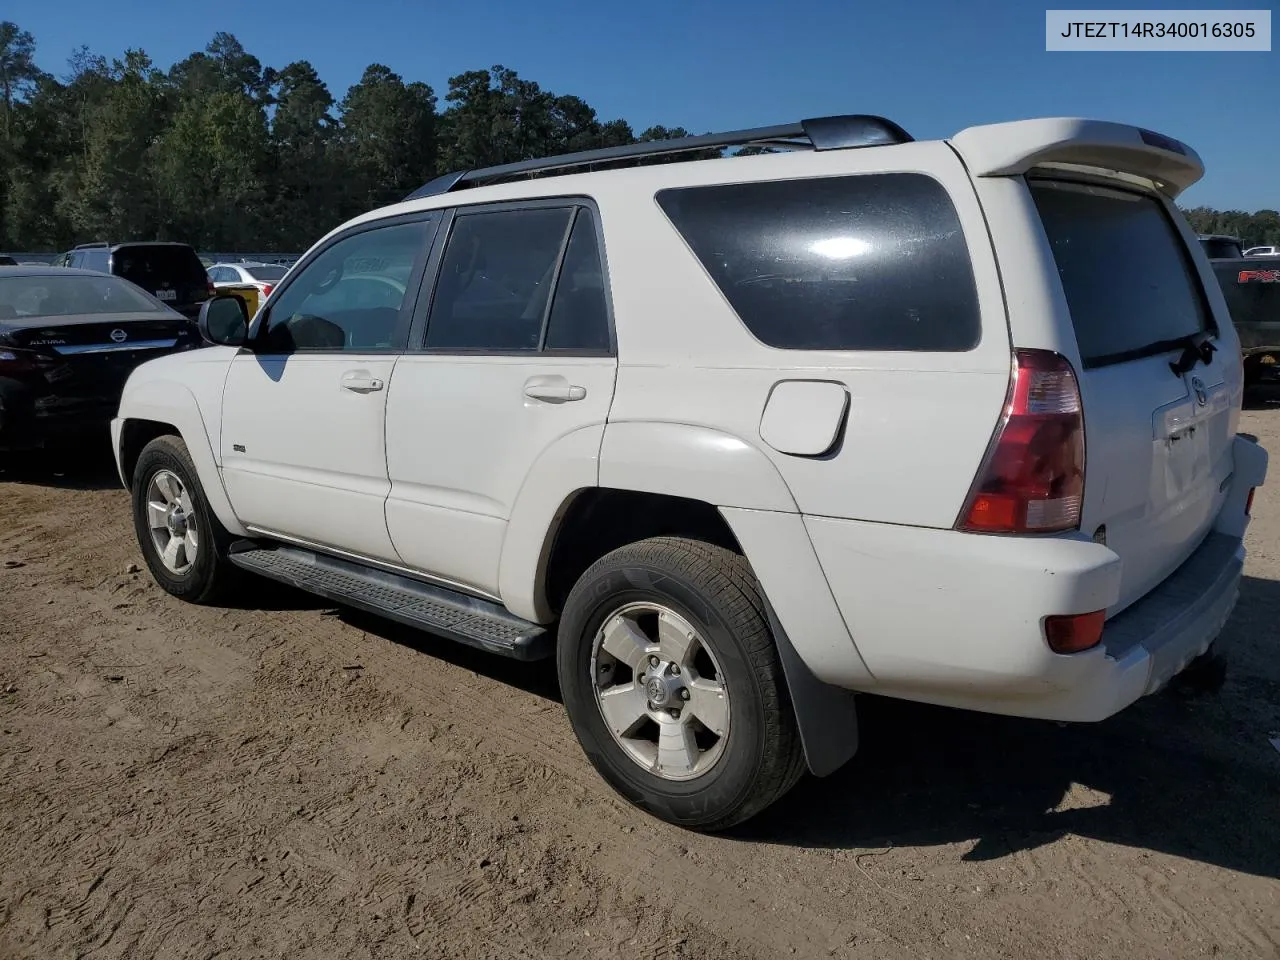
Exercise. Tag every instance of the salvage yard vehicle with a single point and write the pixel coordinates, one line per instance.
(734, 439)
(1251, 288)
(68, 341)
(172, 272)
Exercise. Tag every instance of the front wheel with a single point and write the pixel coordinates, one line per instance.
(183, 543)
(673, 684)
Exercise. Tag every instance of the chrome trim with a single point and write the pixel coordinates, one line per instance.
(117, 347)
(378, 564)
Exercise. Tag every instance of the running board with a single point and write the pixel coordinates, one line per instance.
(469, 620)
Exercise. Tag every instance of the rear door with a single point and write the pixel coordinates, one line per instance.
(1158, 439)
(517, 355)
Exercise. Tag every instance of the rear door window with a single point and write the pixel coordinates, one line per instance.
(495, 280)
(579, 317)
(1128, 277)
(869, 262)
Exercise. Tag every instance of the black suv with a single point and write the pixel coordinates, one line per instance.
(171, 272)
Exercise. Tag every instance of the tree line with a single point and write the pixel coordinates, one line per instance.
(1260, 229)
(225, 153)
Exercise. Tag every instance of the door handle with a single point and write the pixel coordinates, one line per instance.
(554, 392)
(361, 383)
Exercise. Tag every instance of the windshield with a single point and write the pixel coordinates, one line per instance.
(265, 274)
(55, 296)
(1128, 278)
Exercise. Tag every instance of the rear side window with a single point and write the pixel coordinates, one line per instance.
(870, 262)
(149, 267)
(1126, 273)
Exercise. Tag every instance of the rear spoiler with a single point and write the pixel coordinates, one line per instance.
(1012, 149)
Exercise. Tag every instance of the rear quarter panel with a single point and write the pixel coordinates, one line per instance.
(918, 424)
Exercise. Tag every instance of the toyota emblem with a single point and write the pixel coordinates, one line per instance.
(118, 335)
(1202, 396)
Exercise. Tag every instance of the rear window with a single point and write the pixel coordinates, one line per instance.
(1128, 278)
(266, 274)
(148, 267)
(870, 262)
(46, 295)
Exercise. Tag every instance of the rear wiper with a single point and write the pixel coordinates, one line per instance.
(1193, 352)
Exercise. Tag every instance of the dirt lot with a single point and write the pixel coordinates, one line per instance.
(288, 780)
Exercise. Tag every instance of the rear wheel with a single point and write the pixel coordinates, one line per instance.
(673, 684)
(183, 543)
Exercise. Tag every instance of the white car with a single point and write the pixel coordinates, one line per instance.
(1262, 252)
(735, 439)
(264, 276)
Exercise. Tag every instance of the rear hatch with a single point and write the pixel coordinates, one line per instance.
(1158, 441)
(171, 272)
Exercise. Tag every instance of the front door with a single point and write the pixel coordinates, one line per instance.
(302, 439)
(517, 357)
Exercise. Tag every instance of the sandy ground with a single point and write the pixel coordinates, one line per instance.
(285, 779)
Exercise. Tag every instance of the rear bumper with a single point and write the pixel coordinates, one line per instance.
(956, 619)
(1153, 640)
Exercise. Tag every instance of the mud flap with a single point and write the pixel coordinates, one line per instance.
(826, 715)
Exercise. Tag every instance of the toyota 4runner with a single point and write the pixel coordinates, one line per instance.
(732, 439)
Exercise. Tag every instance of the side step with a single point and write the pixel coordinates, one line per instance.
(466, 619)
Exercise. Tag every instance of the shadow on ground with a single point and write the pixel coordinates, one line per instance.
(1194, 777)
(90, 466)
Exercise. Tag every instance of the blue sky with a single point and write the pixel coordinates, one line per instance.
(934, 66)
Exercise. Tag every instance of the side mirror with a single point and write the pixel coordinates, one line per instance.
(224, 321)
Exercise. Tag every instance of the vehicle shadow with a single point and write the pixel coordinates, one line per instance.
(258, 593)
(89, 466)
(1194, 777)
(1262, 398)
(537, 678)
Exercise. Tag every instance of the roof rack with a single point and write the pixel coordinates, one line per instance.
(817, 133)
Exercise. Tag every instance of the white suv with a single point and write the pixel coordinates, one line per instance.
(733, 438)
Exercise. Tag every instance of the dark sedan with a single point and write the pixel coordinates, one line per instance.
(68, 341)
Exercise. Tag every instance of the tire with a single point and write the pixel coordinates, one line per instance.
(208, 574)
(718, 779)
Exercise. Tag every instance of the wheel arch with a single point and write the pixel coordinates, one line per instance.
(675, 463)
(159, 408)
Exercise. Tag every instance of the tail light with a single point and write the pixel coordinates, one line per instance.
(266, 290)
(1248, 504)
(1032, 480)
(13, 360)
(1075, 633)
(212, 289)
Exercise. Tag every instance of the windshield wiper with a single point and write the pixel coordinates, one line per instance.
(1193, 352)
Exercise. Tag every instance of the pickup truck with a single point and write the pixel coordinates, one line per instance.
(1251, 287)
